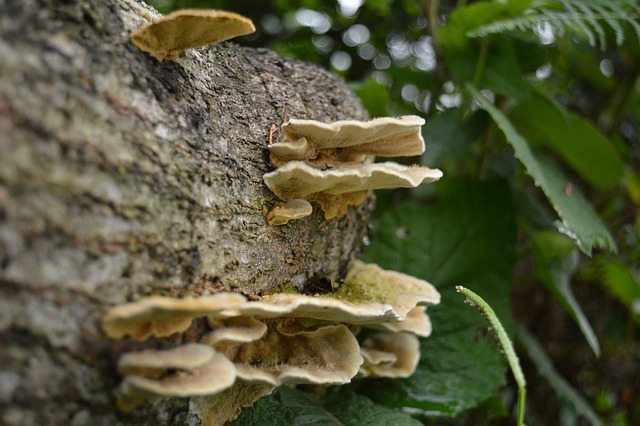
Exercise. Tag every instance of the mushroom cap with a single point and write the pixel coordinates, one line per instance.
(236, 329)
(148, 362)
(212, 377)
(168, 37)
(369, 282)
(328, 355)
(417, 322)
(293, 209)
(405, 347)
(385, 136)
(297, 179)
(163, 316)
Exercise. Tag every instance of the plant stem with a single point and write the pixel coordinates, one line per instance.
(505, 344)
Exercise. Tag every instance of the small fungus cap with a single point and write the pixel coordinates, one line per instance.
(236, 329)
(183, 357)
(386, 136)
(293, 209)
(214, 376)
(168, 37)
(403, 346)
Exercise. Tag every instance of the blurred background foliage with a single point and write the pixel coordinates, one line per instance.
(532, 110)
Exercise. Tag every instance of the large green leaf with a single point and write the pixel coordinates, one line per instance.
(579, 219)
(447, 136)
(584, 148)
(556, 262)
(466, 237)
(291, 407)
(498, 71)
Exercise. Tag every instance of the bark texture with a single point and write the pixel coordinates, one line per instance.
(122, 176)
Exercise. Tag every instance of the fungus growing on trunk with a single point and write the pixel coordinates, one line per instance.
(282, 338)
(184, 371)
(184, 29)
(328, 163)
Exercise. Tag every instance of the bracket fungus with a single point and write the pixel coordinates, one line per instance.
(189, 370)
(327, 163)
(163, 316)
(394, 355)
(282, 338)
(168, 37)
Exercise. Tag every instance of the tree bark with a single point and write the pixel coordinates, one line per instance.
(122, 176)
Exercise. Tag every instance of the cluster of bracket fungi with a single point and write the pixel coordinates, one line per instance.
(330, 164)
(284, 338)
(368, 326)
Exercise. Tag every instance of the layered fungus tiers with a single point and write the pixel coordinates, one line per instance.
(251, 347)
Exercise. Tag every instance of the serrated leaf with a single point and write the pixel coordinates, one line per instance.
(579, 220)
(292, 407)
(585, 149)
(562, 388)
(355, 410)
(287, 407)
(466, 237)
(556, 262)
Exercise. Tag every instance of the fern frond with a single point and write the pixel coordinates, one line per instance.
(583, 17)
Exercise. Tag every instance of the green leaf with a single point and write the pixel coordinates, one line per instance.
(286, 406)
(585, 149)
(374, 96)
(291, 407)
(556, 262)
(499, 71)
(453, 36)
(579, 220)
(466, 237)
(621, 283)
(380, 7)
(562, 388)
(353, 409)
(447, 136)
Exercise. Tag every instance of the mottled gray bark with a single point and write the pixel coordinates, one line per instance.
(122, 176)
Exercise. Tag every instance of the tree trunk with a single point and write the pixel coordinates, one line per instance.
(122, 176)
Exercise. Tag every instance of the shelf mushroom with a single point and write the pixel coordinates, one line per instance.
(184, 29)
(328, 163)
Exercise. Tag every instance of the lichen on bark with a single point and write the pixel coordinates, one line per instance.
(122, 176)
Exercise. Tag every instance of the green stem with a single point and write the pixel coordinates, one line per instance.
(505, 344)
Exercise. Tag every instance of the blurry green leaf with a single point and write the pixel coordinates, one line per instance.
(446, 136)
(453, 36)
(530, 55)
(579, 220)
(500, 71)
(556, 262)
(286, 406)
(466, 237)
(380, 7)
(356, 410)
(584, 148)
(562, 388)
(621, 284)
(291, 407)
(374, 96)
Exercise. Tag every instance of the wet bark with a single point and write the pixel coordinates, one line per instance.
(122, 176)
